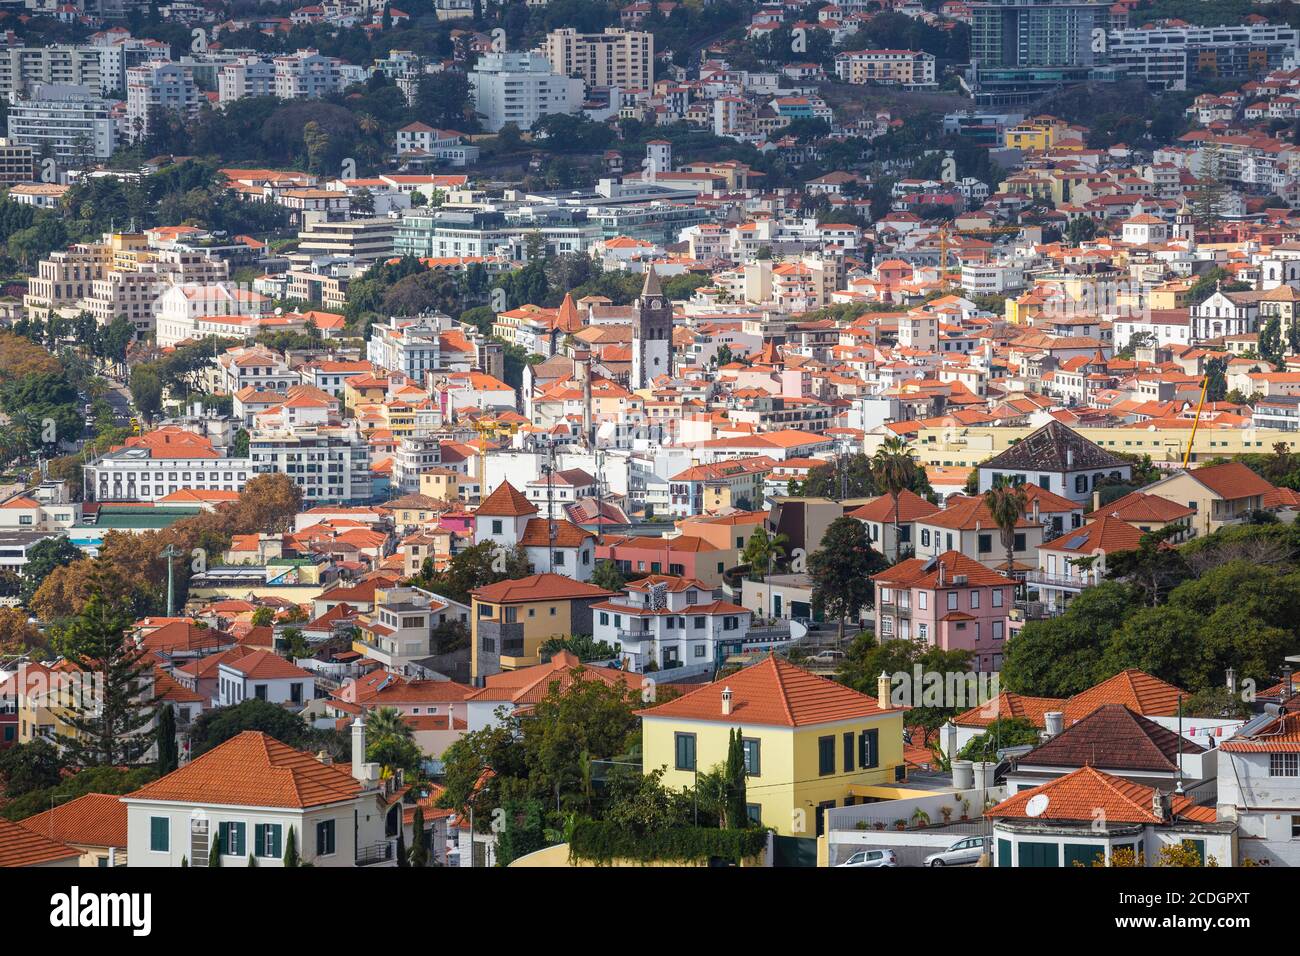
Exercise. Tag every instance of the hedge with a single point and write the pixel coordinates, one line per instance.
(604, 842)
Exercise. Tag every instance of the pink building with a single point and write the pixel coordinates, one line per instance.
(949, 601)
(684, 556)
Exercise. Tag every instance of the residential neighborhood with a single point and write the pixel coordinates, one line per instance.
(577, 434)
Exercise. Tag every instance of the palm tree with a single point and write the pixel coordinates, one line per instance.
(761, 552)
(894, 469)
(387, 722)
(1006, 503)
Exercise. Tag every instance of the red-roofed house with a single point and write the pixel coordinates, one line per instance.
(810, 743)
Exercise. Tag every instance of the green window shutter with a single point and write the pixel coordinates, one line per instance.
(223, 836)
(1082, 853)
(276, 850)
(848, 752)
(1004, 853)
(869, 749)
(159, 834)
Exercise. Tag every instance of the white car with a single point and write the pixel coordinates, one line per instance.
(871, 858)
(962, 852)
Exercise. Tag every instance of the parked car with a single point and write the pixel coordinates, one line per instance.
(968, 850)
(871, 858)
(828, 657)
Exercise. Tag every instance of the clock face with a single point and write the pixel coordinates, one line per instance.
(655, 303)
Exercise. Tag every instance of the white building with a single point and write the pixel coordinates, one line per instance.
(1259, 788)
(254, 790)
(329, 463)
(614, 58)
(521, 88)
(147, 474)
(408, 345)
(157, 86)
(670, 622)
(71, 121)
(264, 675)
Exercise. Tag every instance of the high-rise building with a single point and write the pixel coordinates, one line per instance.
(68, 123)
(157, 86)
(521, 88)
(622, 58)
(1022, 48)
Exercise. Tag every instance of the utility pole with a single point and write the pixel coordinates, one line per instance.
(171, 552)
(550, 505)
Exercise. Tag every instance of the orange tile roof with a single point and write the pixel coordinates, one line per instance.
(537, 587)
(506, 502)
(528, 685)
(265, 665)
(537, 534)
(924, 572)
(1079, 795)
(774, 692)
(1231, 479)
(910, 507)
(1279, 736)
(254, 770)
(93, 819)
(1106, 534)
(21, 847)
(1138, 506)
(1135, 689)
(1007, 706)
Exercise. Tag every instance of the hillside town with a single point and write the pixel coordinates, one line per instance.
(700, 433)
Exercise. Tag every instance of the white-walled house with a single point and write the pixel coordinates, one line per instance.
(1259, 788)
(265, 676)
(249, 792)
(670, 622)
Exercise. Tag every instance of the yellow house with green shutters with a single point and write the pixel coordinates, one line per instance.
(810, 744)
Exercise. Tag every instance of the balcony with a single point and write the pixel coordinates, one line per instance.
(377, 854)
(1059, 581)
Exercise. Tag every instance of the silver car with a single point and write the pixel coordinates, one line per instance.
(871, 858)
(968, 850)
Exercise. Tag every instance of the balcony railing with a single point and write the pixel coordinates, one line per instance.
(377, 854)
(1060, 580)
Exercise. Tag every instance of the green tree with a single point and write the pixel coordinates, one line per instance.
(1006, 503)
(31, 766)
(291, 858)
(894, 469)
(1001, 733)
(736, 813)
(168, 758)
(42, 559)
(220, 724)
(762, 552)
(107, 723)
(841, 571)
(607, 575)
(419, 840)
(214, 852)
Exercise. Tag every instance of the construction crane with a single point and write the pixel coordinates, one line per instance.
(489, 430)
(1191, 440)
(946, 231)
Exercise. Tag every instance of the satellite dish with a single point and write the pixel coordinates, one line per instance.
(1037, 805)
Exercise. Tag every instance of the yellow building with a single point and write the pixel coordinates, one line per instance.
(513, 619)
(967, 447)
(440, 483)
(1220, 495)
(810, 744)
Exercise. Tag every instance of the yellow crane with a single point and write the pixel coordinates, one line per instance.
(946, 231)
(489, 430)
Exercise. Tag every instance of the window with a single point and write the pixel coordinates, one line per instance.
(685, 751)
(997, 597)
(1080, 485)
(923, 599)
(496, 527)
(159, 834)
(755, 813)
(1019, 544)
(974, 600)
(699, 622)
(848, 752)
(825, 755)
(869, 749)
(925, 537)
(1284, 765)
(232, 839)
(752, 749)
(1038, 854)
(1295, 827)
(985, 543)
(952, 600)
(325, 838)
(267, 838)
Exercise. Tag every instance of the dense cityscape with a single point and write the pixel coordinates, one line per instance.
(688, 433)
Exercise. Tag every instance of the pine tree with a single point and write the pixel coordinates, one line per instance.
(168, 755)
(291, 858)
(214, 854)
(107, 724)
(252, 860)
(734, 813)
(419, 841)
(402, 857)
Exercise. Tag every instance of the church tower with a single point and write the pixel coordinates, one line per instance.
(652, 334)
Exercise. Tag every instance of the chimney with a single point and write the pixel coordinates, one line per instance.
(883, 694)
(726, 701)
(1069, 458)
(939, 568)
(1037, 518)
(1159, 805)
(359, 749)
(1054, 723)
(324, 758)
(1286, 682)
(1096, 501)
(1232, 680)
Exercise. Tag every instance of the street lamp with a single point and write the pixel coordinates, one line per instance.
(170, 552)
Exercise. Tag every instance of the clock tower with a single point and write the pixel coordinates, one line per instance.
(652, 334)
